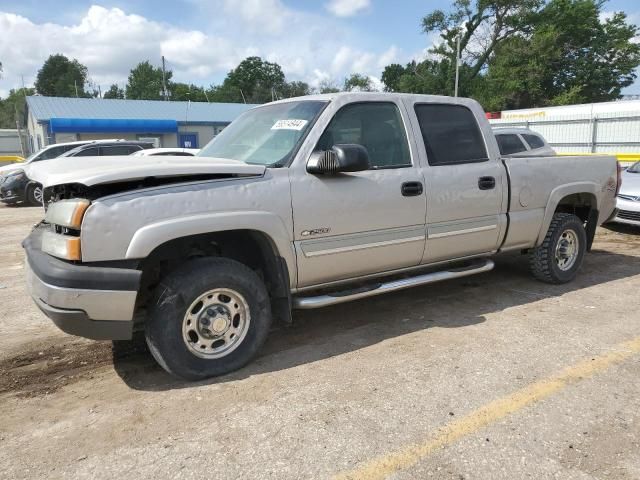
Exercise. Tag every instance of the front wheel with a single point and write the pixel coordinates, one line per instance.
(34, 194)
(208, 318)
(560, 256)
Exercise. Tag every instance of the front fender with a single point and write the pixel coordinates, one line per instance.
(557, 194)
(151, 236)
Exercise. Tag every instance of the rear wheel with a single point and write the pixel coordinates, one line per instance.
(34, 194)
(208, 318)
(560, 256)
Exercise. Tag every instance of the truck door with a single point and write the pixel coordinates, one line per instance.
(352, 224)
(464, 185)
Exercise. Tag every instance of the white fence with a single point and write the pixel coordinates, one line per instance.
(604, 133)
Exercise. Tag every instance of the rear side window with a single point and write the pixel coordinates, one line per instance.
(451, 134)
(119, 150)
(510, 143)
(377, 126)
(533, 140)
(88, 152)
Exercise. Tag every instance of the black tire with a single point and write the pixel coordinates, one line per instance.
(32, 194)
(176, 294)
(542, 260)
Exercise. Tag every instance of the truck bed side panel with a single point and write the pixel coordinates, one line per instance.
(538, 184)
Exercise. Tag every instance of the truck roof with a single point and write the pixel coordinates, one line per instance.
(382, 96)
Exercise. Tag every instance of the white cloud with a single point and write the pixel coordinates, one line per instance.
(110, 41)
(347, 8)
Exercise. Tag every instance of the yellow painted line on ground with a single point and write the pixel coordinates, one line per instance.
(381, 467)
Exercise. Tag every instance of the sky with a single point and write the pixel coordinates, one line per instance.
(203, 39)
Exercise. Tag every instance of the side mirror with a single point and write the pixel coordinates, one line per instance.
(341, 158)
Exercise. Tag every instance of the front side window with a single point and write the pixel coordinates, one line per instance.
(510, 143)
(533, 140)
(451, 134)
(267, 135)
(376, 126)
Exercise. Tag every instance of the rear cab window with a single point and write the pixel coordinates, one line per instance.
(451, 134)
(510, 143)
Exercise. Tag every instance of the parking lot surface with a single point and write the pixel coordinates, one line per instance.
(492, 376)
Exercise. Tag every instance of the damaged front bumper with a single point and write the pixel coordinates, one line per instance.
(85, 300)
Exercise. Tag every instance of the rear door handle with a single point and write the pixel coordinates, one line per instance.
(411, 189)
(486, 183)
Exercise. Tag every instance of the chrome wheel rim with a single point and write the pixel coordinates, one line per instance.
(216, 323)
(567, 250)
(37, 194)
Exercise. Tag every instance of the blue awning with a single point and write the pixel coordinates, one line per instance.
(108, 125)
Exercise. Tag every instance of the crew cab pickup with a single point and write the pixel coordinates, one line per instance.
(300, 203)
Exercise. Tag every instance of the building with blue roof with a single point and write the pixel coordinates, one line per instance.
(168, 124)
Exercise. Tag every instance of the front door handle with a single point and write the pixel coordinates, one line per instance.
(411, 189)
(486, 183)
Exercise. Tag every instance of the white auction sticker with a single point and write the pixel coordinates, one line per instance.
(291, 124)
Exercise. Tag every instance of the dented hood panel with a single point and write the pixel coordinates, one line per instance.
(91, 171)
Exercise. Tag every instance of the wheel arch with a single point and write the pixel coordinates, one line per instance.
(580, 199)
(254, 239)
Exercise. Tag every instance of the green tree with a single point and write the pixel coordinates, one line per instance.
(187, 91)
(254, 80)
(61, 77)
(12, 108)
(145, 82)
(358, 83)
(328, 86)
(519, 54)
(114, 92)
(571, 56)
(391, 77)
(295, 89)
(481, 27)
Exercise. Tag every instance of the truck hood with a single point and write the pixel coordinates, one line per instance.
(630, 184)
(91, 171)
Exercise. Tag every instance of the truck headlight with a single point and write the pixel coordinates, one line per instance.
(63, 216)
(67, 213)
(61, 246)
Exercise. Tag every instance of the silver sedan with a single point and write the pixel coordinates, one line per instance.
(628, 201)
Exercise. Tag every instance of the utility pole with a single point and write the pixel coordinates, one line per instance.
(457, 65)
(75, 84)
(164, 82)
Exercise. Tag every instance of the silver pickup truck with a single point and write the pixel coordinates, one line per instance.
(300, 203)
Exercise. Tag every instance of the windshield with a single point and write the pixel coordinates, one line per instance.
(635, 168)
(266, 135)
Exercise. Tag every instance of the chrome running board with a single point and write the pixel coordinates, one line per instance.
(325, 300)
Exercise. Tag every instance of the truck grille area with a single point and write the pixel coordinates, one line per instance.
(629, 215)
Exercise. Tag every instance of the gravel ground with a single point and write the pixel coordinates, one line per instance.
(373, 380)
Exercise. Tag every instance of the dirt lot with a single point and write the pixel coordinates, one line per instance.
(493, 376)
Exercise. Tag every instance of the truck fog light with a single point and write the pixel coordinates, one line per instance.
(61, 246)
